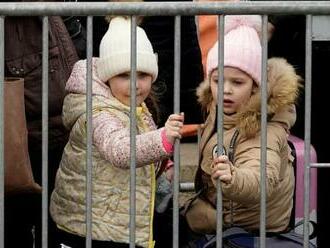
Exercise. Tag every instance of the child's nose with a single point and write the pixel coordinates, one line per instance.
(226, 88)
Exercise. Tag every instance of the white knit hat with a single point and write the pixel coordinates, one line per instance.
(115, 51)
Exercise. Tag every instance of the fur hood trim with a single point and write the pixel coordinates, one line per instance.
(283, 90)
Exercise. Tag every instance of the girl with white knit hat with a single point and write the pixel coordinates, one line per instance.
(238, 168)
(111, 146)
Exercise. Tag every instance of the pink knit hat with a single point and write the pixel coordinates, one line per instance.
(242, 46)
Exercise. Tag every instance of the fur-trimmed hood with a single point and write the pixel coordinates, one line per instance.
(283, 91)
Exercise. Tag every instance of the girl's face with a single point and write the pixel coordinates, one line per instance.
(238, 87)
(120, 87)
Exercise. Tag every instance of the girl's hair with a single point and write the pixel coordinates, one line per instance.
(204, 96)
(152, 101)
(152, 104)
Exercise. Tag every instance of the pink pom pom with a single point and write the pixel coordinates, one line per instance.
(234, 21)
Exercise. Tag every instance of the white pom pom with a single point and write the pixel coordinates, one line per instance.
(235, 21)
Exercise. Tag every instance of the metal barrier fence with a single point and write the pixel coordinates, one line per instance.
(176, 9)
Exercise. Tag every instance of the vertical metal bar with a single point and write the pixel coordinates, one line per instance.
(45, 41)
(2, 164)
(308, 107)
(263, 169)
(89, 106)
(177, 67)
(177, 76)
(221, 45)
(133, 136)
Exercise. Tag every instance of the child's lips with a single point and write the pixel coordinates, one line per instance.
(227, 102)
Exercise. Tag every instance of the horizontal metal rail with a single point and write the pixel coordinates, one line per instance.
(164, 8)
(320, 165)
(187, 187)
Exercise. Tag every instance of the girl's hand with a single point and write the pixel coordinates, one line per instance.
(221, 169)
(169, 173)
(173, 127)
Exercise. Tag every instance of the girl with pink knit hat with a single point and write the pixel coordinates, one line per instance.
(238, 168)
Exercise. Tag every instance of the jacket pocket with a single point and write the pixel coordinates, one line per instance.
(29, 67)
(24, 65)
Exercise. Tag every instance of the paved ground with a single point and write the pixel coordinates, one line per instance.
(188, 162)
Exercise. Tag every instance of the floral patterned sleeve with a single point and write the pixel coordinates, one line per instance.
(112, 139)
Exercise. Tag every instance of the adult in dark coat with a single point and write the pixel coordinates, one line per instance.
(23, 58)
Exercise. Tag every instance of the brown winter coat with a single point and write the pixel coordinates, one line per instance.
(23, 58)
(242, 196)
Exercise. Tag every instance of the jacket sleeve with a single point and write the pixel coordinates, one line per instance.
(112, 139)
(246, 180)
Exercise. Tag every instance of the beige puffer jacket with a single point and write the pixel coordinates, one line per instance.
(110, 169)
(242, 196)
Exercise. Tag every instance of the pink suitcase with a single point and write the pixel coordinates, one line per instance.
(298, 146)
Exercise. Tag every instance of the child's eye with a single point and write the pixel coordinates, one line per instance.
(215, 80)
(143, 74)
(124, 75)
(238, 82)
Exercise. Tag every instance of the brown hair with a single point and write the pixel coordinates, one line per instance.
(152, 101)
